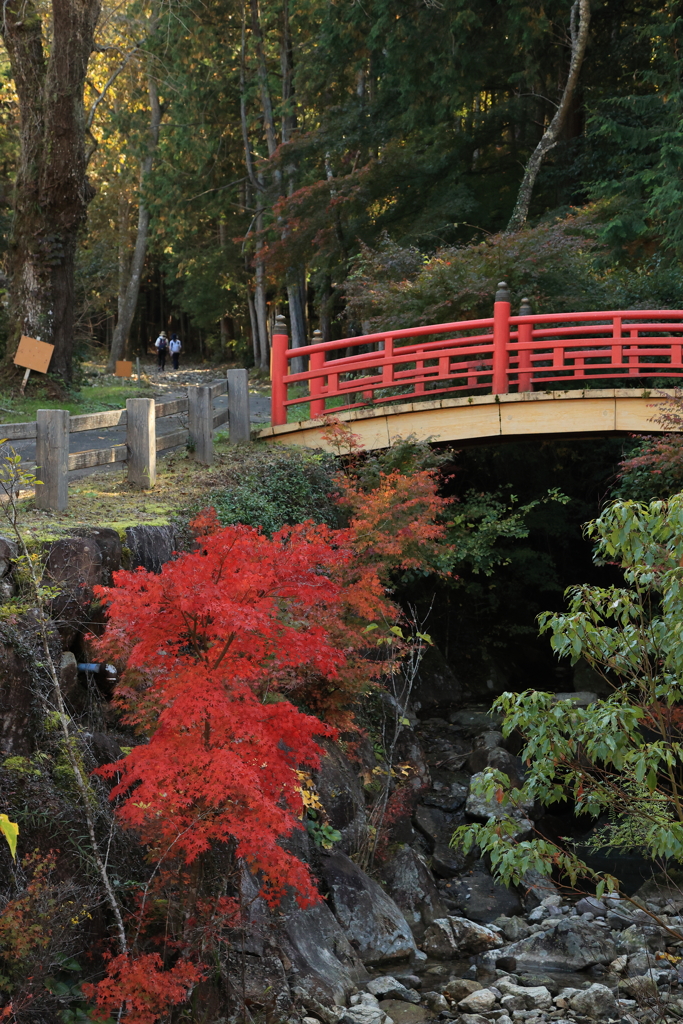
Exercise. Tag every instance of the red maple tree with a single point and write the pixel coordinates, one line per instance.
(208, 644)
(211, 646)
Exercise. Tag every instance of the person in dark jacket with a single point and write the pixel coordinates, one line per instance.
(161, 345)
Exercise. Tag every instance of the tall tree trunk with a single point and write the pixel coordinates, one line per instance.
(254, 328)
(52, 192)
(137, 263)
(260, 303)
(259, 313)
(295, 274)
(579, 23)
(124, 250)
(268, 119)
(297, 323)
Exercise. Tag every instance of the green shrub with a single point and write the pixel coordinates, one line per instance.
(276, 486)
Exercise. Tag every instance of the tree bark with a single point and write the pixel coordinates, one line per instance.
(259, 312)
(296, 275)
(128, 304)
(579, 23)
(52, 192)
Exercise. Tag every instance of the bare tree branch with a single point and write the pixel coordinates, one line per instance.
(578, 28)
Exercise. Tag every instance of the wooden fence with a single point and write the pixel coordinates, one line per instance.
(52, 427)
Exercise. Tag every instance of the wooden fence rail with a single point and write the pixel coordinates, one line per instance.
(52, 427)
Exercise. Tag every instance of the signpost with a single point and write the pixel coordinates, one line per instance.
(124, 368)
(32, 354)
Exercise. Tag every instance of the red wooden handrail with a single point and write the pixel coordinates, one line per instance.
(495, 355)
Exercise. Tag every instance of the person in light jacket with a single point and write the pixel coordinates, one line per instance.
(174, 347)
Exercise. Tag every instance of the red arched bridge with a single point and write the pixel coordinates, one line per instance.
(532, 374)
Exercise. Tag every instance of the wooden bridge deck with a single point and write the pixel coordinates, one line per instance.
(537, 414)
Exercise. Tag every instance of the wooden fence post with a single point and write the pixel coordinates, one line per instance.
(192, 423)
(278, 372)
(239, 423)
(501, 340)
(52, 459)
(203, 451)
(141, 439)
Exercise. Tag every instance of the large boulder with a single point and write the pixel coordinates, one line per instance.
(110, 547)
(452, 937)
(322, 963)
(370, 919)
(570, 945)
(74, 567)
(17, 704)
(497, 757)
(597, 1002)
(641, 936)
(437, 826)
(481, 899)
(342, 795)
(410, 884)
(481, 809)
(448, 791)
(25, 686)
(436, 684)
(151, 546)
(261, 983)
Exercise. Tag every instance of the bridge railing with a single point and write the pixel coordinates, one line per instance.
(495, 355)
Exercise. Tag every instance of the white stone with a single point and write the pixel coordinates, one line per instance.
(566, 994)
(364, 999)
(518, 997)
(436, 1002)
(554, 900)
(363, 1014)
(388, 987)
(618, 966)
(512, 1004)
(478, 1002)
(448, 937)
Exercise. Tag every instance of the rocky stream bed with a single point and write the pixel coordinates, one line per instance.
(424, 933)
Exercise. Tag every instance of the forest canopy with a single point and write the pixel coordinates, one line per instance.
(204, 166)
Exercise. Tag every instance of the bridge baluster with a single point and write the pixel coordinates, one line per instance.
(315, 384)
(524, 335)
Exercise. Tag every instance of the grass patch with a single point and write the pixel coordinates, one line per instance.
(95, 397)
(258, 484)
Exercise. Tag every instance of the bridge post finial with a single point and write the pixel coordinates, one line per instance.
(503, 292)
(280, 325)
(525, 307)
(317, 337)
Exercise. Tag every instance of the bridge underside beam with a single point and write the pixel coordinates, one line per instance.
(490, 418)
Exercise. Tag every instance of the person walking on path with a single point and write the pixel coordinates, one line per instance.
(161, 345)
(174, 347)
